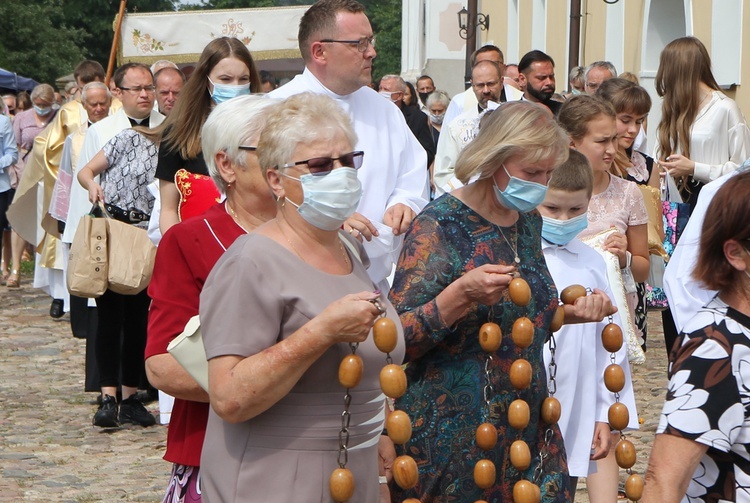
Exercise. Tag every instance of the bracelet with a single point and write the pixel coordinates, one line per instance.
(628, 259)
(382, 479)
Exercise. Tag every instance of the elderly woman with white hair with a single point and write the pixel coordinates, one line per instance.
(186, 255)
(278, 313)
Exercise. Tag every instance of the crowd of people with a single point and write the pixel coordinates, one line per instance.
(291, 218)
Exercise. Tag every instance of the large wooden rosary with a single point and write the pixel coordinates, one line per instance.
(398, 424)
(618, 415)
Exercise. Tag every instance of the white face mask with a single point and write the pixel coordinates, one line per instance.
(328, 200)
(437, 119)
(387, 95)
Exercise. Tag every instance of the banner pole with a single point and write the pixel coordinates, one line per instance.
(113, 52)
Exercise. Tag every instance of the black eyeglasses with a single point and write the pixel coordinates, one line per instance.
(362, 44)
(320, 166)
(139, 89)
(247, 147)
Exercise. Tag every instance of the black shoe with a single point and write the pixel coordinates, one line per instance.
(133, 411)
(56, 309)
(106, 416)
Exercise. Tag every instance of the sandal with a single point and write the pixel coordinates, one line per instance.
(14, 280)
(4, 273)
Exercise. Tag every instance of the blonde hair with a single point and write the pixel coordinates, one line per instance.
(516, 129)
(43, 92)
(683, 65)
(302, 119)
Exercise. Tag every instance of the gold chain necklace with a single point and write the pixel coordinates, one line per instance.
(235, 217)
(514, 246)
(341, 247)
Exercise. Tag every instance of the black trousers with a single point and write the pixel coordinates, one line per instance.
(121, 338)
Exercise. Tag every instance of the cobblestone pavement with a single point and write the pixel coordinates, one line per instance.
(49, 451)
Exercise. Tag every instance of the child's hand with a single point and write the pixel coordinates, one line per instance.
(617, 243)
(601, 442)
(594, 307)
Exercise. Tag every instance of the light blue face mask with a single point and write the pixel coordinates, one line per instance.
(225, 92)
(42, 111)
(327, 201)
(561, 232)
(520, 195)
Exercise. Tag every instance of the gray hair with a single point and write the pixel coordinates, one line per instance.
(401, 83)
(600, 64)
(438, 97)
(302, 119)
(577, 74)
(95, 85)
(236, 122)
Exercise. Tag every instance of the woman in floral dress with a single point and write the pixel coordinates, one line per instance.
(705, 422)
(458, 258)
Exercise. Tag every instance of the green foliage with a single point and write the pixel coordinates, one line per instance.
(36, 41)
(95, 18)
(385, 17)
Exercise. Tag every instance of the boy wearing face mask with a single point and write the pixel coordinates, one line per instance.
(579, 353)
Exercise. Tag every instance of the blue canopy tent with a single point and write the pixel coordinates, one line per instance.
(13, 82)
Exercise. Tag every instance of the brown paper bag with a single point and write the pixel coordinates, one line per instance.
(87, 266)
(131, 257)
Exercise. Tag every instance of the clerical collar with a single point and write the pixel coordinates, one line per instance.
(138, 122)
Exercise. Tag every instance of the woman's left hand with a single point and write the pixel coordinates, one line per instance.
(678, 165)
(617, 243)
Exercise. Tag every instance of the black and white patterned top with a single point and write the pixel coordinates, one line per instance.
(708, 401)
(132, 159)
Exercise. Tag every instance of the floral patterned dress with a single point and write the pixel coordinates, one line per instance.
(708, 401)
(446, 365)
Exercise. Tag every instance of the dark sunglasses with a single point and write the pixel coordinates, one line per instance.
(320, 166)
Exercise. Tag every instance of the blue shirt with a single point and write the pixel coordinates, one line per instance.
(8, 151)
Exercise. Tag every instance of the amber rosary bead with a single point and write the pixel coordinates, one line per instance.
(614, 378)
(625, 453)
(520, 455)
(350, 371)
(526, 492)
(551, 410)
(570, 294)
(385, 334)
(612, 338)
(634, 487)
(341, 485)
(398, 425)
(518, 414)
(393, 380)
(484, 474)
(522, 332)
(405, 472)
(520, 292)
(557, 320)
(490, 337)
(520, 374)
(486, 436)
(618, 416)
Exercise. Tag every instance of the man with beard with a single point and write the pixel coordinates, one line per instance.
(538, 77)
(486, 84)
(425, 87)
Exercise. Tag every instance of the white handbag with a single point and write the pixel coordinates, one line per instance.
(187, 348)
